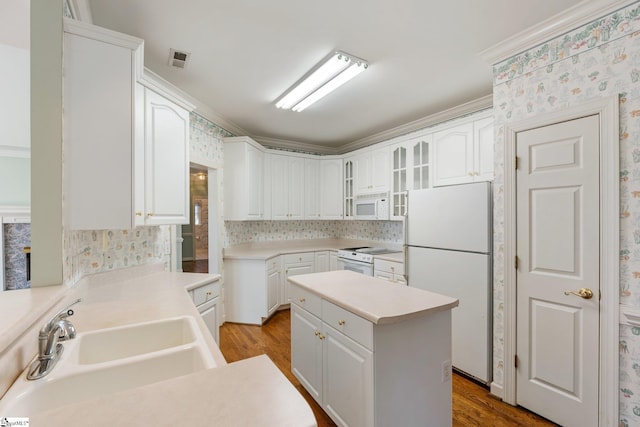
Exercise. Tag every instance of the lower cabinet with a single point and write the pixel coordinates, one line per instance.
(389, 270)
(333, 261)
(321, 261)
(206, 298)
(405, 382)
(294, 264)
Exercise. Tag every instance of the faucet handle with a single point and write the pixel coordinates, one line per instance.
(66, 312)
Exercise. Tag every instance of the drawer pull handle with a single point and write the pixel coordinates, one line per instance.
(341, 322)
(302, 300)
(208, 293)
(138, 213)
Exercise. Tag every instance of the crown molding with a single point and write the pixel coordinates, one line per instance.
(424, 122)
(165, 88)
(574, 17)
(81, 10)
(296, 146)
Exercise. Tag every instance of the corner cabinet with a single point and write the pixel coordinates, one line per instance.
(244, 165)
(165, 163)
(464, 153)
(330, 189)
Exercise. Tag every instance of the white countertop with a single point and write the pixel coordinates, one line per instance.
(394, 256)
(252, 392)
(245, 393)
(376, 300)
(266, 250)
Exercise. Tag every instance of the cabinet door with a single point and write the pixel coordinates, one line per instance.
(349, 189)
(420, 163)
(398, 181)
(383, 275)
(483, 149)
(306, 351)
(330, 189)
(362, 173)
(312, 195)
(453, 155)
(379, 170)
(279, 187)
(166, 161)
(273, 290)
(209, 313)
(333, 261)
(255, 171)
(296, 188)
(322, 261)
(347, 383)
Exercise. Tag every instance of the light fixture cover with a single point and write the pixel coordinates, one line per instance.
(332, 72)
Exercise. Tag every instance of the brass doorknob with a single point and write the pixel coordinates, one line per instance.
(585, 293)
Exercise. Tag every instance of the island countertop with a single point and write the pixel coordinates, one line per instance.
(376, 300)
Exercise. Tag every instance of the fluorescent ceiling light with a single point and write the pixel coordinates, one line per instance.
(334, 71)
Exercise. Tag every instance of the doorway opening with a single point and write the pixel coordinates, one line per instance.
(195, 235)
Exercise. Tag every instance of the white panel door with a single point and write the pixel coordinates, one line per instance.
(312, 195)
(279, 187)
(558, 251)
(306, 351)
(296, 188)
(330, 189)
(453, 155)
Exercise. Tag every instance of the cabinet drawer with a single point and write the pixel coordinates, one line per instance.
(301, 257)
(305, 299)
(205, 293)
(353, 326)
(388, 266)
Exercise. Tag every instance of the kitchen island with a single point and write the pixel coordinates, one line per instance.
(372, 353)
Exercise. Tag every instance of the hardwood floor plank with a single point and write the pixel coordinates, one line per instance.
(472, 403)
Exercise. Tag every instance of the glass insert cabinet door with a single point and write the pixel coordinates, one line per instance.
(348, 190)
(420, 165)
(399, 190)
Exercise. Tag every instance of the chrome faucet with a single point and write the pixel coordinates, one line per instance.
(57, 329)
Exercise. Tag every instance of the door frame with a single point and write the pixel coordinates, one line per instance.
(607, 109)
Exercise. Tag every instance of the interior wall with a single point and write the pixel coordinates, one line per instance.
(599, 59)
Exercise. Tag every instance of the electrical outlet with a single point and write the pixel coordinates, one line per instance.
(446, 371)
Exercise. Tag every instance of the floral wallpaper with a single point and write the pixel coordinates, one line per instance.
(16, 238)
(260, 231)
(599, 59)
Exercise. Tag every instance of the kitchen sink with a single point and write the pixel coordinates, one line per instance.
(126, 341)
(111, 360)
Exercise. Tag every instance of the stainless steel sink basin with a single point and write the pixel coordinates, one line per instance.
(112, 360)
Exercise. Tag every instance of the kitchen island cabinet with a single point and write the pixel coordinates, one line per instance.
(372, 353)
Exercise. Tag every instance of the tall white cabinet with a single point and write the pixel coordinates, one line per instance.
(243, 179)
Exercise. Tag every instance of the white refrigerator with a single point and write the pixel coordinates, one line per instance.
(448, 251)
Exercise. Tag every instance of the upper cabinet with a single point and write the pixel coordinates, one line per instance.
(312, 185)
(463, 153)
(349, 189)
(125, 147)
(243, 179)
(371, 169)
(99, 98)
(410, 170)
(287, 187)
(165, 163)
(330, 189)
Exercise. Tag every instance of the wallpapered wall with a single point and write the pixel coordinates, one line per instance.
(599, 59)
(16, 238)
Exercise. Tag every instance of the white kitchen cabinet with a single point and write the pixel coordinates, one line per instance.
(349, 189)
(312, 192)
(371, 169)
(321, 261)
(243, 179)
(393, 271)
(294, 264)
(287, 187)
(333, 260)
(165, 163)
(410, 170)
(252, 289)
(369, 370)
(274, 283)
(463, 153)
(399, 184)
(206, 298)
(330, 194)
(99, 97)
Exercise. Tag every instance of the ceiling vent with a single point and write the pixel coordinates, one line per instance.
(178, 59)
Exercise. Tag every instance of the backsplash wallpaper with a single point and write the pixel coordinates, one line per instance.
(261, 231)
(599, 59)
(16, 238)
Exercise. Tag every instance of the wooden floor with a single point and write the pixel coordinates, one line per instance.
(472, 404)
(199, 266)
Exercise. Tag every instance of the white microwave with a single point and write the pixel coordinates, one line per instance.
(373, 206)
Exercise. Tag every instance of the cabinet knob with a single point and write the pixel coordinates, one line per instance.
(300, 259)
(321, 336)
(393, 269)
(341, 322)
(317, 333)
(138, 213)
(150, 214)
(302, 300)
(470, 174)
(208, 293)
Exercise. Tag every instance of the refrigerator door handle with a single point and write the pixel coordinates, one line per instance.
(405, 250)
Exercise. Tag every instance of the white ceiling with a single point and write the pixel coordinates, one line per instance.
(423, 56)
